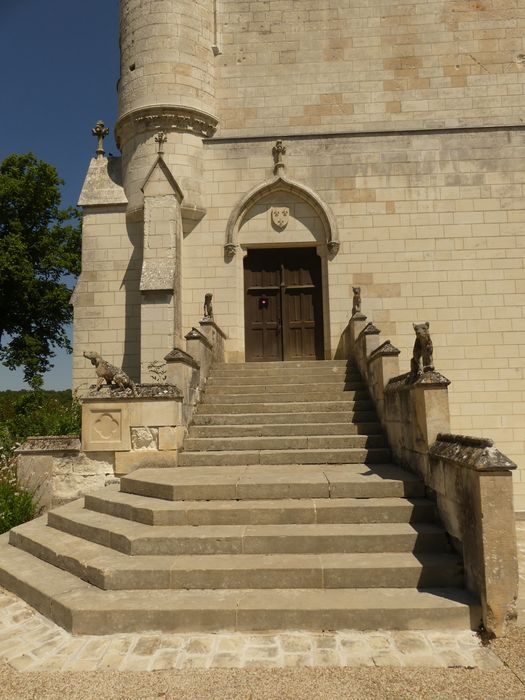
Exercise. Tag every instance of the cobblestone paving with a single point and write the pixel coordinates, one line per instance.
(30, 642)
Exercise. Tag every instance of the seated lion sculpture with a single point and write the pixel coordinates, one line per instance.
(423, 350)
(109, 373)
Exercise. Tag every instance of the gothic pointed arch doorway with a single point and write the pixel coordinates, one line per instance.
(283, 304)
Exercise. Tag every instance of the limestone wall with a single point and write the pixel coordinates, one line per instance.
(346, 65)
(430, 228)
(107, 297)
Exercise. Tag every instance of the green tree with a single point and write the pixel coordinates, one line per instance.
(39, 254)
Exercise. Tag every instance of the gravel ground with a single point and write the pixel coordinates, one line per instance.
(278, 684)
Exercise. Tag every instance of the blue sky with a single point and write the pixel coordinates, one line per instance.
(60, 65)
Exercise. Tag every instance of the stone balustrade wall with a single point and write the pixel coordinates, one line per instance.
(469, 479)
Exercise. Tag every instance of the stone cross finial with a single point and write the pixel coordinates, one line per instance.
(100, 131)
(279, 151)
(161, 139)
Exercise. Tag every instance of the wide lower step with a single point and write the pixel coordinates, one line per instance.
(116, 571)
(154, 511)
(379, 455)
(273, 482)
(82, 608)
(240, 405)
(135, 538)
(361, 419)
(285, 430)
(287, 442)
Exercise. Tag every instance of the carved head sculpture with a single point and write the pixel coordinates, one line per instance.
(422, 331)
(93, 357)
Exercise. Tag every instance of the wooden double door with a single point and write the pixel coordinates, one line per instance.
(283, 305)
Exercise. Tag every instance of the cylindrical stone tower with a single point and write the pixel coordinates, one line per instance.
(166, 84)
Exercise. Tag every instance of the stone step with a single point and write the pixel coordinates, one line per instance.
(84, 609)
(289, 407)
(304, 388)
(284, 430)
(154, 511)
(347, 455)
(310, 365)
(294, 397)
(277, 482)
(134, 538)
(218, 379)
(359, 418)
(287, 442)
(112, 570)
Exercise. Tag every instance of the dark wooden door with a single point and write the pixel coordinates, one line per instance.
(283, 305)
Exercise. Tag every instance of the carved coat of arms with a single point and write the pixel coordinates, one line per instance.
(280, 217)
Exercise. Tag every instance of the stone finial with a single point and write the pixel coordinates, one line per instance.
(279, 151)
(160, 140)
(208, 307)
(100, 131)
(422, 356)
(356, 301)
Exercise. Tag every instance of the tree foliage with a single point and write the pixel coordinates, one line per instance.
(39, 250)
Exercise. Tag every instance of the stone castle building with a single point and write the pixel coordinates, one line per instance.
(278, 152)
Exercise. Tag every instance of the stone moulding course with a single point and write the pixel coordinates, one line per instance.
(281, 183)
(165, 118)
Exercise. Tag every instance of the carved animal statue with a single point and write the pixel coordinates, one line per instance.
(423, 350)
(109, 373)
(356, 302)
(208, 307)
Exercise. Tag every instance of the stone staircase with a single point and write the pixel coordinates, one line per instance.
(285, 512)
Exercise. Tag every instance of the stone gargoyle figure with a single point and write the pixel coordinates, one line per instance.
(208, 307)
(109, 373)
(423, 350)
(356, 301)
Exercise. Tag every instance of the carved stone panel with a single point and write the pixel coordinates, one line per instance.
(105, 428)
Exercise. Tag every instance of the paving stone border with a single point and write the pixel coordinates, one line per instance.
(31, 642)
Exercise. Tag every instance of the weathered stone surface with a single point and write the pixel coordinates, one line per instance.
(145, 438)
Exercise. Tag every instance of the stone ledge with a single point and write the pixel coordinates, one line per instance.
(50, 443)
(478, 454)
(143, 391)
(407, 380)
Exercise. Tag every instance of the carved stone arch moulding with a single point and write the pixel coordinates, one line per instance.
(281, 183)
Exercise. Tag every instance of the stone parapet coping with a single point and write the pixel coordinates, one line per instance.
(145, 392)
(385, 349)
(211, 322)
(50, 443)
(178, 355)
(195, 334)
(478, 454)
(426, 379)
